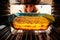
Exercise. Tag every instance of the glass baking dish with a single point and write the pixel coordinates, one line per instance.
(31, 21)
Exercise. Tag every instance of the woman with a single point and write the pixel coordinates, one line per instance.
(30, 8)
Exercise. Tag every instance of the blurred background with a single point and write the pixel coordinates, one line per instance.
(7, 6)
